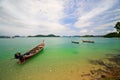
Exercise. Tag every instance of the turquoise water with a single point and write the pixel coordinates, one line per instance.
(59, 60)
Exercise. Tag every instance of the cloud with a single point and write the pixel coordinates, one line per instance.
(86, 18)
(105, 26)
(97, 18)
(61, 17)
(37, 15)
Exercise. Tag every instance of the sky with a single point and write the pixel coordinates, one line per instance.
(60, 17)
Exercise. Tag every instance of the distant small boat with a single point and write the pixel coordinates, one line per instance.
(29, 54)
(88, 41)
(76, 42)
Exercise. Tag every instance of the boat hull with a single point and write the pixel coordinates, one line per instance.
(31, 53)
(87, 41)
(75, 42)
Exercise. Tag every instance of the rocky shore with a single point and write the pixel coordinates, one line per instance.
(109, 68)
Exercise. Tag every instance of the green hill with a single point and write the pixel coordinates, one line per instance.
(114, 34)
(50, 35)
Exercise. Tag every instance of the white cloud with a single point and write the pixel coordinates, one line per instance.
(86, 18)
(37, 15)
(86, 32)
(82, 24)
(29, 17)
(105, 26)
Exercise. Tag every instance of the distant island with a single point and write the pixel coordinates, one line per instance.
(49, 35)
(113, 34)
(109, 35)
(16, 36)
(88, 36)
(4, 36)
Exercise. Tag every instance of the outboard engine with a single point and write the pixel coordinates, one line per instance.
(17, 55)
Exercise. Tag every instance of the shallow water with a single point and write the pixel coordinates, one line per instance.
(59, 60)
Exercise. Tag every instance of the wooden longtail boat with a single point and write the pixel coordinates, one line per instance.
(88, 41)
(29, 54)
(75, 42)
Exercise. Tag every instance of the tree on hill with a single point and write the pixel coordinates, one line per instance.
(117, 27)
(114, 34)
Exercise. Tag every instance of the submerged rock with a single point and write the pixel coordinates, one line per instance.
(109, 70)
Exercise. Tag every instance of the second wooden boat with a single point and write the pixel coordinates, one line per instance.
(88, 41)
(75, 42)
